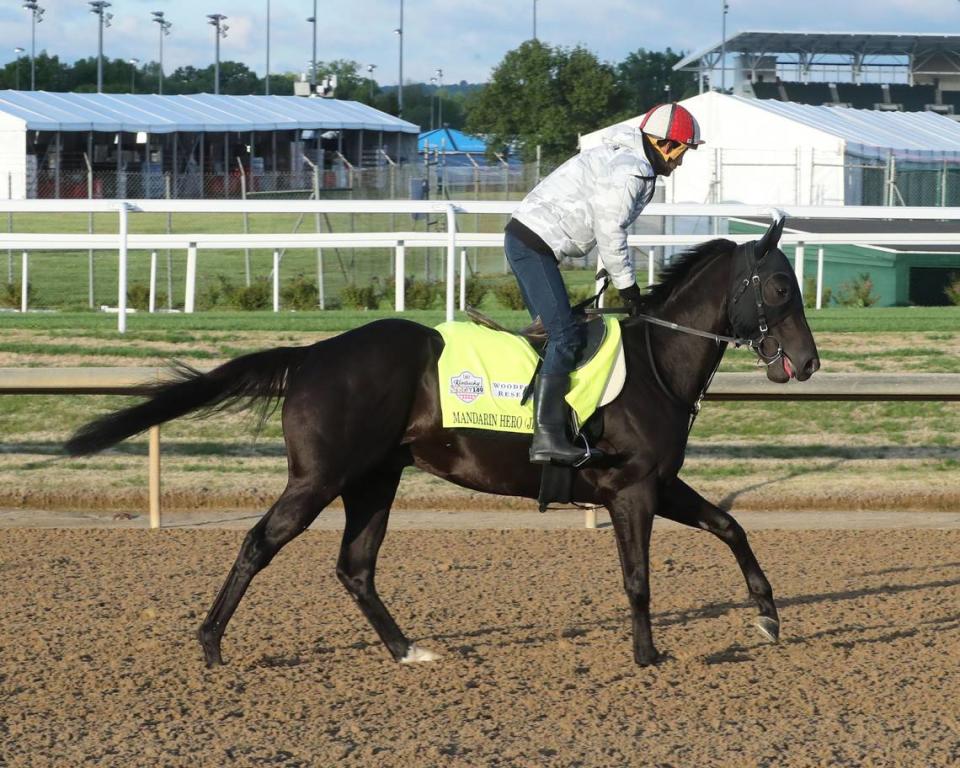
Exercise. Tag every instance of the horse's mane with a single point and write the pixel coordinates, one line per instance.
(680, 269)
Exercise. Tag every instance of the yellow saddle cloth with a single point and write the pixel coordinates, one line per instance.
(483, 374)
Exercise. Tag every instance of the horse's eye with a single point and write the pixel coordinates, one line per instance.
(776, 289)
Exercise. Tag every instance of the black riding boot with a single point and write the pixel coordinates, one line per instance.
(550, 442)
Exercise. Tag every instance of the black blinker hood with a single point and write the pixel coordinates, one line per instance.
(749, 315)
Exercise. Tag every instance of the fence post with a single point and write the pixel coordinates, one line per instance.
(122, 271)
(451, 258)
(400, 280)
(153, 283)
(651, 265)
(10, 228)
(276, 281)
(246, 221)
(90, 270)
(798, 266)
(321, 293)
(463, 279)
(153, 479)
(24, 280)
(820, 277)
(191, 286)
(168, 188)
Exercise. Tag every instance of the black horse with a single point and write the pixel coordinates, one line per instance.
(361, 406)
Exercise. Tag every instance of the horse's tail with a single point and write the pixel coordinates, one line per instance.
(257, 377)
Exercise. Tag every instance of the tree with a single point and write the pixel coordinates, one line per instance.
(544, 96)
(642, 79)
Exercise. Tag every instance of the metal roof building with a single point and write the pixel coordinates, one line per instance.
(932, 58)
(200, 142)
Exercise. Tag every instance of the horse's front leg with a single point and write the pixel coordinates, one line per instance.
(680, 503)
(631, 510)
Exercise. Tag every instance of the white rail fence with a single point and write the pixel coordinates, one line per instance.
(451, 239)
(725, 386)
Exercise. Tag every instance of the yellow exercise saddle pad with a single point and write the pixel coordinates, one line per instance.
(483, 374)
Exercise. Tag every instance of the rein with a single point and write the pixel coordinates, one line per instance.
(589, 307)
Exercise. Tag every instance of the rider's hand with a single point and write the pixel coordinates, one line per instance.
(631, 298)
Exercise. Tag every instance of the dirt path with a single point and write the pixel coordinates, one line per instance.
(100, 665)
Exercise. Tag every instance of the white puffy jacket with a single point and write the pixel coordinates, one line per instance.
(591, 200)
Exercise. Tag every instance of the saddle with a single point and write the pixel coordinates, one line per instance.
(595, 331)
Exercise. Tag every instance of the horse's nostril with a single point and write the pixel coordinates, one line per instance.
(812, 366)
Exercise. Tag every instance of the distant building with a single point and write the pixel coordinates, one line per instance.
(203, 145)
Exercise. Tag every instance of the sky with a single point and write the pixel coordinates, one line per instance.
(465, 39)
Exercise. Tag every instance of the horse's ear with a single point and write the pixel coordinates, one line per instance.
(771, 237)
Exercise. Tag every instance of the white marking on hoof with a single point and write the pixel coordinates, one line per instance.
(416, 655)
(769, 628)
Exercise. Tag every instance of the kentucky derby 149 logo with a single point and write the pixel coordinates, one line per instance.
(466, 387)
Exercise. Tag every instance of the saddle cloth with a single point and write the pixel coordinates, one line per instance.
(483, 374)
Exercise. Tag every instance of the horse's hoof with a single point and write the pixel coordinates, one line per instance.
(416, 655)
(649, 660)
(769, 628)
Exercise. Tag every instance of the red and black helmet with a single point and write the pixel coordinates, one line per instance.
(671, 121)
(674, 123)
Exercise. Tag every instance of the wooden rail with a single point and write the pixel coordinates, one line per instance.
(942, 387)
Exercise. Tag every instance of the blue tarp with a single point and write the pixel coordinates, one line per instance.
(450, 140)
(202, 112)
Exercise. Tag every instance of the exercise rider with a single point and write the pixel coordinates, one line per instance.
(590, 200)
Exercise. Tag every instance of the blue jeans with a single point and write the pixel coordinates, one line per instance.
(546, 296)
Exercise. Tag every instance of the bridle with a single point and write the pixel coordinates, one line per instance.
(767, 347)
(766, 354)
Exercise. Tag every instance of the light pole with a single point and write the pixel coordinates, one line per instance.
(18, 50)
(99, 8)
(220, 30)
(439, 74)
(267, 84)
(433, 94)
(36, 16)
(370, 68)
(313, 56)
(133, 74)
(723, 49)
(399, 33)
(164, 31)
(534, 19)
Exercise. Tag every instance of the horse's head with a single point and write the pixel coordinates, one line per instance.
(766, 306)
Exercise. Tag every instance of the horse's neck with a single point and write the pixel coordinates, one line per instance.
(685, 361)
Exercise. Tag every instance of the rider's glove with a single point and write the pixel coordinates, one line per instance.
(631, 298)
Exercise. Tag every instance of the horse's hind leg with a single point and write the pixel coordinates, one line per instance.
(682, 504)
(291, 514)
(367, 504)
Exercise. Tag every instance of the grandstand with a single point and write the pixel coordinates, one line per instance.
(884, 72)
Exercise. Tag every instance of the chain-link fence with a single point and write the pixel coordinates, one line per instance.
(436, 177)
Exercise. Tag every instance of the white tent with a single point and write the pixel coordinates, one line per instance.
(772, 152)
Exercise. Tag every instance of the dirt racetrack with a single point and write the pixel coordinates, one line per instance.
(98, 662)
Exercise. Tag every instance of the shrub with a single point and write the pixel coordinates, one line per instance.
(476, 290)
(810, 294)
(359, 296)
(219, 292)
(857, 293)
(952, 291)
(300, 293)
(257, 295)
(12, 294)
(508, 294)
(422, 294)
(138, 296)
